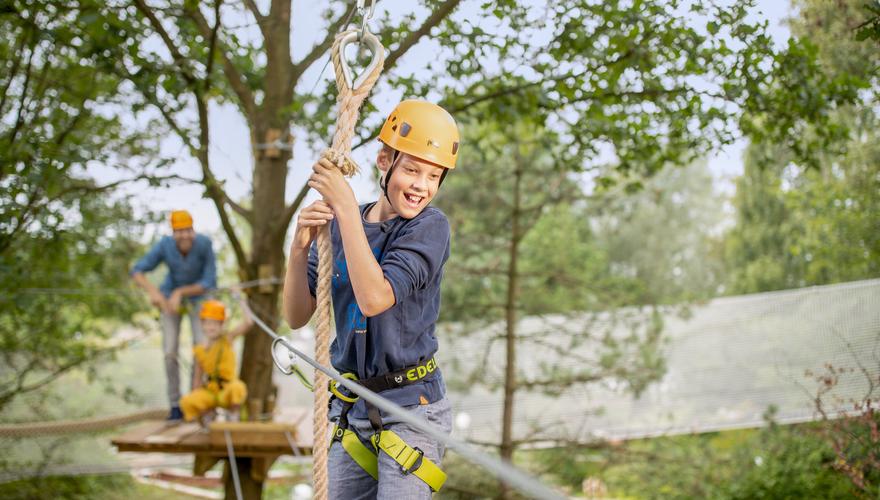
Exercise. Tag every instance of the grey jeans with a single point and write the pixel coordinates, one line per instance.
(171, 347)
(350, 482)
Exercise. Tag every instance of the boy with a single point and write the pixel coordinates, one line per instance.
(387, 267)
(192, 271)
(214, 382)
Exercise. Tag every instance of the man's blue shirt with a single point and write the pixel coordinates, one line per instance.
(412, 253)
(197, 267)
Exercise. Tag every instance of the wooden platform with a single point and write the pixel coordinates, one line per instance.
(263, 442)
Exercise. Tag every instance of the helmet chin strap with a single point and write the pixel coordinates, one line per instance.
(396, 156)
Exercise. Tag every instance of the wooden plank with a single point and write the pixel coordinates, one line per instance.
(252, 434)
(252, 427)
(175, 434)
(250, 439)
(140, 432)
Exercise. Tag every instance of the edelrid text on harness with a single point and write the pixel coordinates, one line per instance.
(411, 460)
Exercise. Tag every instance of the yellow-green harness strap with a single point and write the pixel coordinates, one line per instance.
(358, 452)
(411, 460)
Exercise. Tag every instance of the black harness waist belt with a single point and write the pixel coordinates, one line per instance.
(400, 378)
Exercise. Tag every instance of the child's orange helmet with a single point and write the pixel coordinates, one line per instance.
(424, 130)
(181, 219)
(213, 309)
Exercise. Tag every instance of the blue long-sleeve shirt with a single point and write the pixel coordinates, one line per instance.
(198, 266)
(412, 253)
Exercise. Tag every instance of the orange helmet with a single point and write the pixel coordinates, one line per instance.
(424, 130)
(213, 309)
(181, 219)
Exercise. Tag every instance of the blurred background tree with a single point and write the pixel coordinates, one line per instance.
(59, 227)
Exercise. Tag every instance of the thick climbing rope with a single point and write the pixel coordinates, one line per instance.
(349, 101)
(78, 426)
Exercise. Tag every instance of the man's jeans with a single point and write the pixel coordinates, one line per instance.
(347, 480)
(171, 347)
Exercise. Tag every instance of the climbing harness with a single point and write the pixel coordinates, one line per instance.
(411, 459)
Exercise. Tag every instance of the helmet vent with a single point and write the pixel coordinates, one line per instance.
(432, 142)
(405, 129)
(454, 147)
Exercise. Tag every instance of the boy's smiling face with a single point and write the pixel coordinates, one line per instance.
(413, 184)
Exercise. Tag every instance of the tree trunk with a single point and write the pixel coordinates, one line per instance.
(250, 488)
(269, 226)
(507, 446)
(266, 261)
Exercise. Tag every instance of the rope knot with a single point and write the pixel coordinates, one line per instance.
(342, 161)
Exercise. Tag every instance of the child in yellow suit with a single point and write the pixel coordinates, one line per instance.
(214, 382)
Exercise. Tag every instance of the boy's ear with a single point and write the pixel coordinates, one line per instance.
(383, 159)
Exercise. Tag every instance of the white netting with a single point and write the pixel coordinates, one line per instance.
(726, 365)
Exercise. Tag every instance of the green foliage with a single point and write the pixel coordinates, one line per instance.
(773, 462)
(557, 259)
(664, 236)
(870, 29)
(802, 223)
(608, 77)
(58, 228)
(525, 254)
(110, 487)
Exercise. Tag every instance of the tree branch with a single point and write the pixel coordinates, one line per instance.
(17, 58)
(179, 58)
(212, 44)
(212, 186)
(86, 187)
(258, 16)
(294, 206)
(233, 75)
(582, 378)
(321, 47)
(437, 15)
(153, 99)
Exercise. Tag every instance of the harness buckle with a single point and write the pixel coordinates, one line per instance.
(415, 466)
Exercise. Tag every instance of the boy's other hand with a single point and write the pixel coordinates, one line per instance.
(309, 222)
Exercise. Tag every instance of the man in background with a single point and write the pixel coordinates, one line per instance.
(192, 271)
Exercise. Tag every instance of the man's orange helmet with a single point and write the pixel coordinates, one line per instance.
(424, 130)
(181, 219)
(213, 309)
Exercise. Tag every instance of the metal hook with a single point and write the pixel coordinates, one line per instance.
(366, 15)
(289, 370)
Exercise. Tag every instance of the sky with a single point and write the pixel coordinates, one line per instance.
(230, 152)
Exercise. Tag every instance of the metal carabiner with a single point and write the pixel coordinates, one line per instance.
(289, 370)
(366, 15)
(292, 368)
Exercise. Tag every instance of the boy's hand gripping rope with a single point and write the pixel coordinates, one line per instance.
(351, 96)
